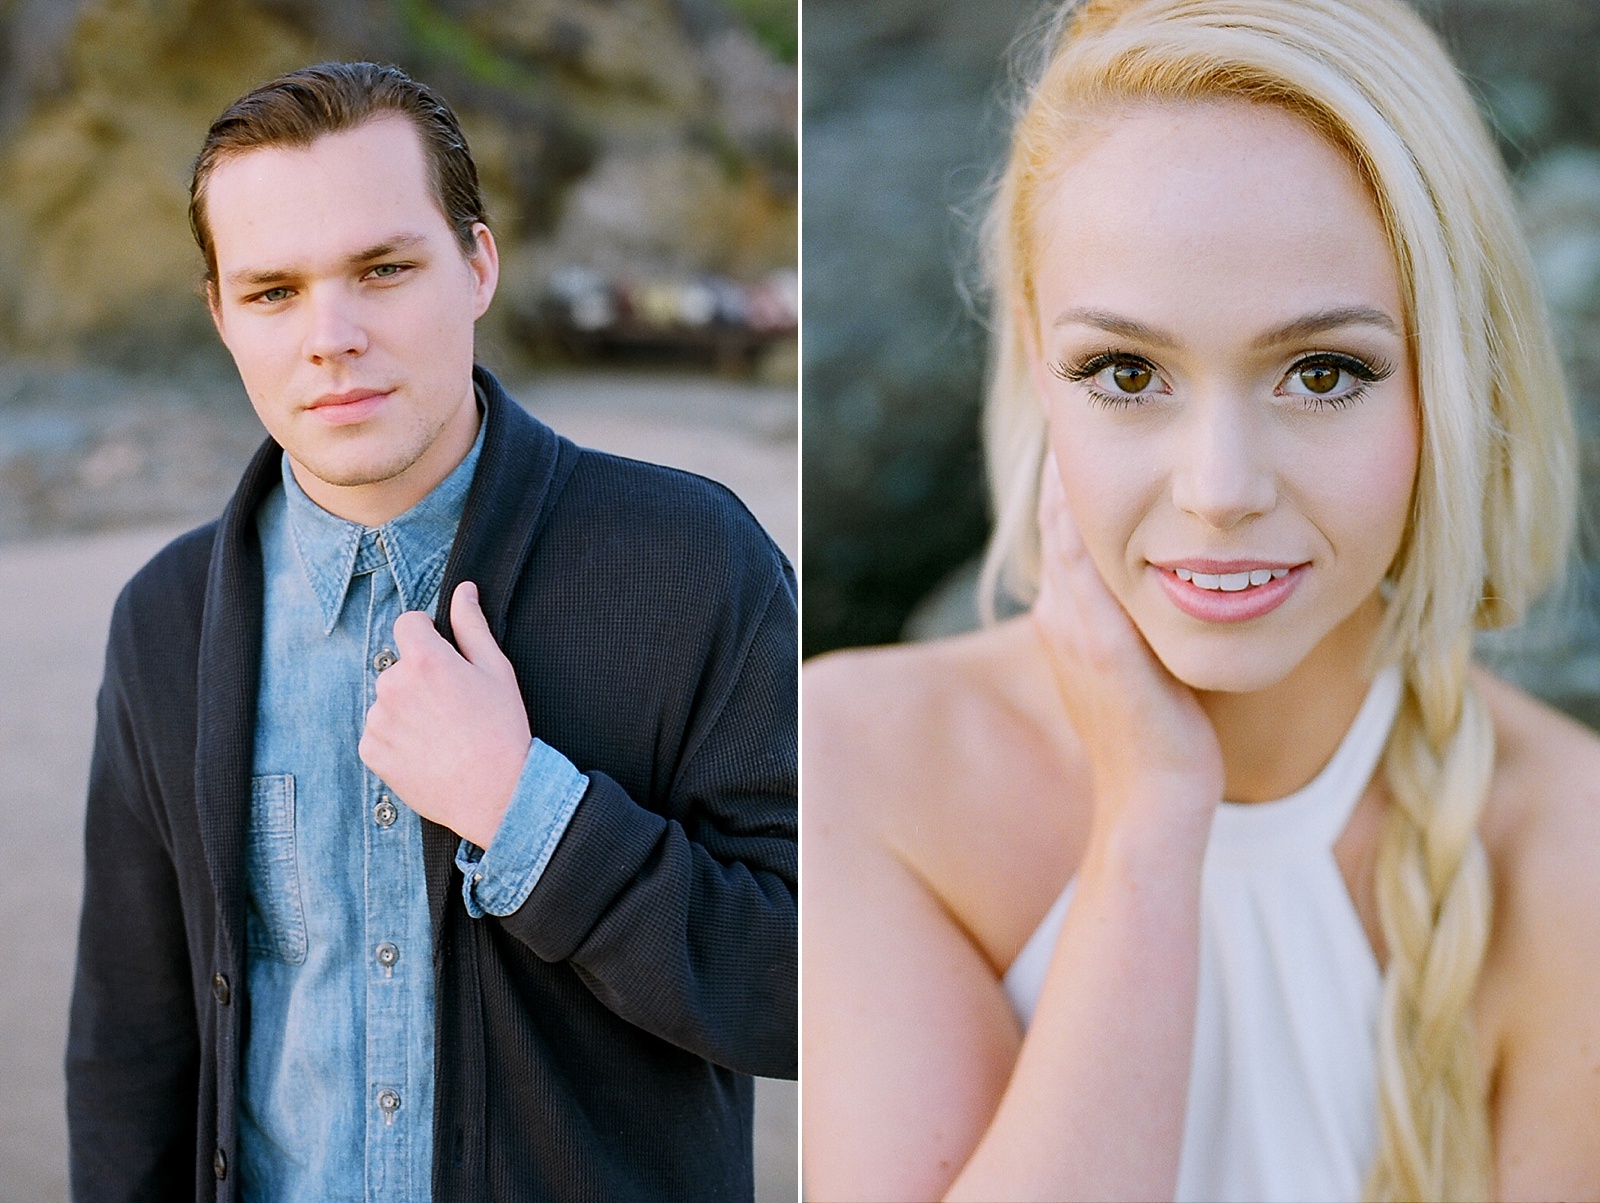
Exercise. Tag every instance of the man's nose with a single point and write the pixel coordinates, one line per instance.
(1223, 474)
(333, 329)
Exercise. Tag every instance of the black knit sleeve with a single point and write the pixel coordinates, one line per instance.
(132, 1050)
(679, 911)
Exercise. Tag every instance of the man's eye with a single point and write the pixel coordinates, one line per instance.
(273, 295)
(387, 270)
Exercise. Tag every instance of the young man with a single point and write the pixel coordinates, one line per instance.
(369, 914)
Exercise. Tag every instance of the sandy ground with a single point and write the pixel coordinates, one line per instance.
(56, 595)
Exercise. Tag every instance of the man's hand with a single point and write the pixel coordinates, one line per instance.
(449, 733)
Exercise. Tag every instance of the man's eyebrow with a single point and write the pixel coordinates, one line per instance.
(389, 246)
(1300, 328)
(261, 277)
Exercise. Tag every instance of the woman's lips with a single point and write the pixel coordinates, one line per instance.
(344, 409)
(1220, 605)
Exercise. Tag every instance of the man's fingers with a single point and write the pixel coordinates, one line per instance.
(473, 636)
(413, 633)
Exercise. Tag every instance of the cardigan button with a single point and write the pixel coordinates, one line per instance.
(220, 990)
(219, 1165)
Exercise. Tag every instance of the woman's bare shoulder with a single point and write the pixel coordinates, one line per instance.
(1541, 829)
(1544, 803)
(887, 721)
(955, 757)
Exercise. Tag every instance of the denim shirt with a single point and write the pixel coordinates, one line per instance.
(337, 1097)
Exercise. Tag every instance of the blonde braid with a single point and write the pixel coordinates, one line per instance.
(1434, 898)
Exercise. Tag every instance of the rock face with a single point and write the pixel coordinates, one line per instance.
(899, 140)
(655, 133)
(903, 127)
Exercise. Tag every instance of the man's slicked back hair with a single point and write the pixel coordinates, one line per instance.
(296, 109)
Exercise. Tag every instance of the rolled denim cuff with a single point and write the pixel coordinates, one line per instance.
(498, 880)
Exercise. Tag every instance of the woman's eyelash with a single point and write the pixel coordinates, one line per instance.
(1083, 371)
(1367, 373)
(1090, 365)
(1364, 371)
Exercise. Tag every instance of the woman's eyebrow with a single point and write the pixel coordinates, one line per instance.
(1299, 328)
(1329, 319)
(1114, 324)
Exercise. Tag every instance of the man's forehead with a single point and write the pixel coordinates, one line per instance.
(343, 195)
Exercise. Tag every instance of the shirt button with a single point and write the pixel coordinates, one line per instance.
(219, 989)
(384, 659)
(384, 813)
(388, 1103)
(388, 954)
(219, 1164)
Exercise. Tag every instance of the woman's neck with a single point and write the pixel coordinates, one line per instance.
(1276, 740)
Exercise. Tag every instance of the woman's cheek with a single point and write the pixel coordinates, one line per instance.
(1106, 496)
(1368, 487)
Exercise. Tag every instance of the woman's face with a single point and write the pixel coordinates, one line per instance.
(1222, 352)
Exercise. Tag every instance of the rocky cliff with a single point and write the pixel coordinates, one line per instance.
(656, 135)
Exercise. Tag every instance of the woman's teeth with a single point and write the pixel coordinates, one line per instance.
(1231, 582)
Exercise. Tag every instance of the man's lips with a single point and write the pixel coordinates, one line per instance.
(352, 406)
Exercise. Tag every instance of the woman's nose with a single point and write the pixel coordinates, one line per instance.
(1222, 474)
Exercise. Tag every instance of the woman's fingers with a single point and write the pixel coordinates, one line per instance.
(1075, 605)
(1143, 731)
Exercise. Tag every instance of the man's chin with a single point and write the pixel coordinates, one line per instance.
(350, 473)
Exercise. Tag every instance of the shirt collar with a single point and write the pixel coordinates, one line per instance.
(413, 545)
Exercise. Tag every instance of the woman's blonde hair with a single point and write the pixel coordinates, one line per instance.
(1492, 514)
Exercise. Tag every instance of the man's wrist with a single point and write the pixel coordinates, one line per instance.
(498, 878)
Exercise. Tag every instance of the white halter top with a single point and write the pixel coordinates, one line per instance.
(1282, 1098)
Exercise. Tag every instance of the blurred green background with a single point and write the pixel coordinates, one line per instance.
(903, 127)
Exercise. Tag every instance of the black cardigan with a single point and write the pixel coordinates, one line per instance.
(596, 1043)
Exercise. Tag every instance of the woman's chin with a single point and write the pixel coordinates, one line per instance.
(1227, 666)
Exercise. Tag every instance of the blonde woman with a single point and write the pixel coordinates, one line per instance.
(1221, 872)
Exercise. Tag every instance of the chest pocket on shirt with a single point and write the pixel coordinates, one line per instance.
(275, 919)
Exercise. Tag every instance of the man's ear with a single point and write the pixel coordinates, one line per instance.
(485, 264)
(214, 306)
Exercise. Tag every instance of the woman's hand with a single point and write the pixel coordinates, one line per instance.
(1095, 1105)
(1150, 745)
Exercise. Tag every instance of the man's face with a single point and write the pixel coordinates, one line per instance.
(348, 306)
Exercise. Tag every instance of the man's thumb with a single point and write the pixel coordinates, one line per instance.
(473, 636)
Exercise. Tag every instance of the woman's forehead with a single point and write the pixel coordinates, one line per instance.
(1206, 212)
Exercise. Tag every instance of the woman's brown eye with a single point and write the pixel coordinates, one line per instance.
(1131, 377)
(1319, 377)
